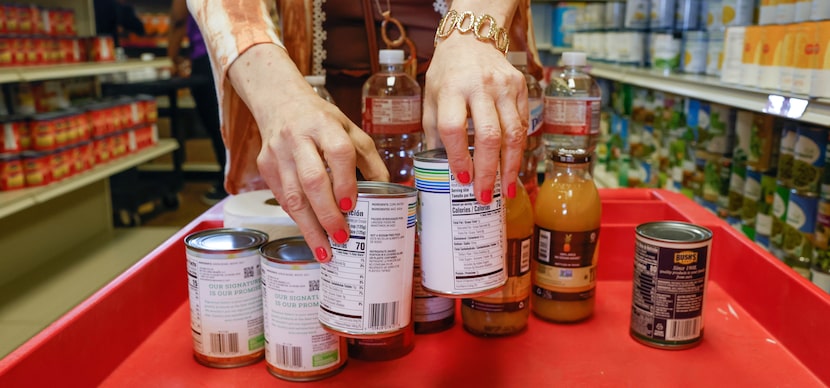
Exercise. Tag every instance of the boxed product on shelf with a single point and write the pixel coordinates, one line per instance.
(12, 174)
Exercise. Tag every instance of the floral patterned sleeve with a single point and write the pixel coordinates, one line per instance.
(229, 28)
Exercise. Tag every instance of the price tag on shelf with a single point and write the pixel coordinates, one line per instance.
(790, 107)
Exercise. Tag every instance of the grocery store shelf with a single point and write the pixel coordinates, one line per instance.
(604, 179)
(47, 72)
(14, 201)
(712, 89)
(552, 49)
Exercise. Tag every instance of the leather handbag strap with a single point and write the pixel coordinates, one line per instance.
(371, 35)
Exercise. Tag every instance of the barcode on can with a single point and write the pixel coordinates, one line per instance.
(288, 356)
(544, 246)
(682, 329)
(224, 343)
(383, 315)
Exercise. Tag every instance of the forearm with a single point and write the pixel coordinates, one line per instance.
(264, 76)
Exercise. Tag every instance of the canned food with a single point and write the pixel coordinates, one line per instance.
(822, 239)
(614, 15)
(225, 288)
(780, 202)
(763, 218)
(694, 52)
(737, 12)
(462, 241)
(637, 14)
(786, 153)
(713, 14)
(12, 176)
(714, 53)
(764, 142)
(37, 167)
(800, 226)
(14, 137)
(671, 260)
(687, 15)
(661, 14)
(101, 48)
(666, 52)
(297, 347)
(718, 123)
(366, 288)
(809, 158)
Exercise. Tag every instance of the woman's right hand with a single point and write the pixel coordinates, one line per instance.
(309, 147)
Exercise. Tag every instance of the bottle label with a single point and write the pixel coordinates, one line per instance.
(571, 116)
(536, 107)
(566, 258)
(508, 307)
(566, 249)
(392, 115)
(544, 293)
(518, 256)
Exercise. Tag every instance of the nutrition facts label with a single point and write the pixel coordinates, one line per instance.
(478, 238)
(367, 286)
(668, 292)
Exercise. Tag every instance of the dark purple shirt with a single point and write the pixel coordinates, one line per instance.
(197, 43)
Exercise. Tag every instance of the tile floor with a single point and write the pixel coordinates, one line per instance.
(31, 302)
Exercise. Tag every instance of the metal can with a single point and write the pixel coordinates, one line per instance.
(297, 347)
(694, 52)
(714, 52)
(462, 241)
(661, 14)
(614, 15)
(687, 15)
(366, 288)
(637, 14)
(780, 202)
(666, 49)
(225, 288)
(809, 158)
(800, 225)
(671, 261)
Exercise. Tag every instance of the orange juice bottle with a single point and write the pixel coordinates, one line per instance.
(506, 311)
(567, 218)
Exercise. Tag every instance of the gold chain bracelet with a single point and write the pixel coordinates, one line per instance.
(467, 21)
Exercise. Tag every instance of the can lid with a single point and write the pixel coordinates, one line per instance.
(563, 155)
(574, 58)
(316, 80)
(393, 57)
(674, 231)
(384, 189)
(226, 240)
(289, 249)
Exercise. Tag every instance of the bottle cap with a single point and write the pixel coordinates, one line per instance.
(563, 155)
(390, 57)
(316, 80)
(574, 58)
(517, 58)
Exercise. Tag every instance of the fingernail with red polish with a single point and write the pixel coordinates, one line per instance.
(463, 177)
(345, 204)
(321, 253)
(511, 190)
(341, 236)
(486, 196)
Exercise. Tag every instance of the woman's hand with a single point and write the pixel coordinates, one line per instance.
(309, 147)
(467, 73)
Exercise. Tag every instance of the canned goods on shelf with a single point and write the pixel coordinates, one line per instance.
(695, 50)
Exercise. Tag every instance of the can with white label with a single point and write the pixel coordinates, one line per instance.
(225, 289)
(462, 240)
(297, 348)
(366, 288)
(671, 262)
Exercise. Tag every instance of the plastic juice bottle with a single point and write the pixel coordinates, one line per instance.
(391, 109)
(534, 152)
(572, 107)
(318, 83)
(505, 312)
(567, 218)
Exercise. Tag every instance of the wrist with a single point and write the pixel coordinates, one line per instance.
(482, 26)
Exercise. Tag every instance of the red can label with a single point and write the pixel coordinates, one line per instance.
(393, 115)
(11, 174)
(572, 116)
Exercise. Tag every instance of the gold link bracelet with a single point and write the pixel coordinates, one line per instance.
(466, 22)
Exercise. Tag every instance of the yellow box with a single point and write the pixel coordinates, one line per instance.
(788, 57)
(772, 56)
(805, 58)
(820, 84)
(751, 57)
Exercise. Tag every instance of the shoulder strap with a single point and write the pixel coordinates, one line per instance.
(371, 35)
